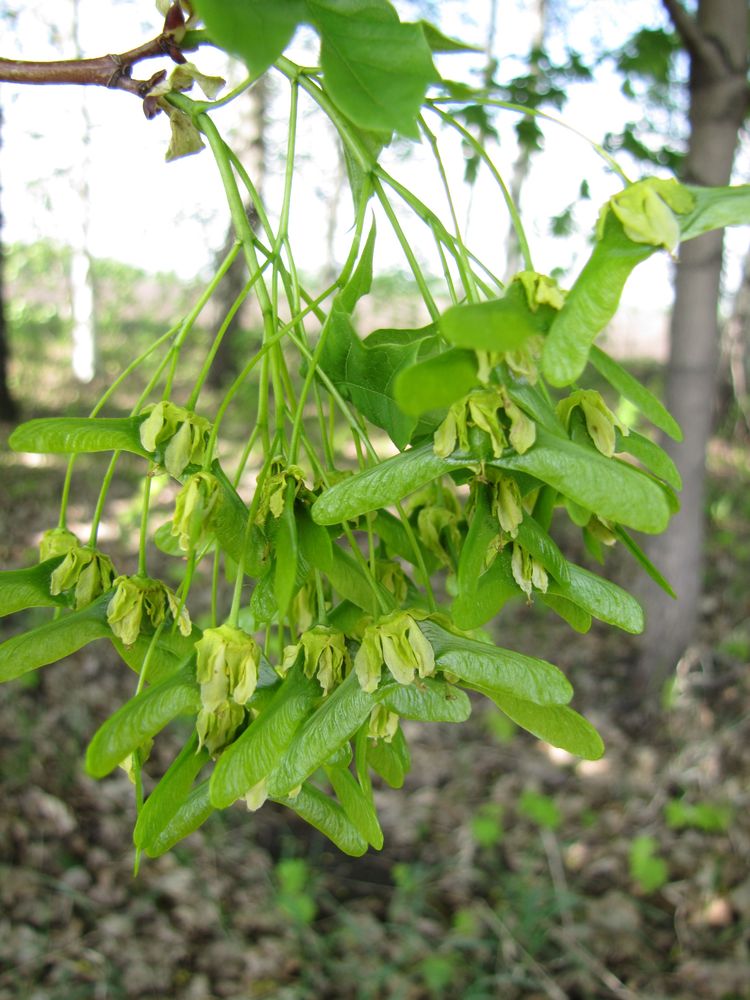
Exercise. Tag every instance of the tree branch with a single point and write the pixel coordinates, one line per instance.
(693, 38)
(112, 71)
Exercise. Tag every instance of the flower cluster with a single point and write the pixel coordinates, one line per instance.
(175, 436)
(227, 662)
(138, 602)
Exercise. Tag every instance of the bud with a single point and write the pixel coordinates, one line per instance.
(274, 489)
(216, 727)
(647, 209)
(527, 571)
(506, 503)
(325, 655)
(383, 724)
(452, 429)
(91, 573)
(434, 524)
(393, 578)
(56, 542)
(368, 663)
(483, 407)
(601, 530)
(176, 436)
(600, 420)
(257, 795)
(541, 290)
(522, 428)
(193, 507)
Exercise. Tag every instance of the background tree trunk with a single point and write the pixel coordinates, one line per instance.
(252, 152)
(717, 41)
(8, 408)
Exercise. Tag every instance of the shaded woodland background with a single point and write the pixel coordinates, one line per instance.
(510, 870)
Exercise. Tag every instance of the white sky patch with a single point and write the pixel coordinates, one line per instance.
(173, 216)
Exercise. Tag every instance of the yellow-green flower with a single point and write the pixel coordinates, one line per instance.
(506, 503)
(91, 573)
(193, 507)
(177, 437)
(227, 663)
(274, 489)
(397, 641)
(647, 210)
(56, 542)
(600, 420)
(325, 656)
(527, 571)
(139, 601)
(383, 724)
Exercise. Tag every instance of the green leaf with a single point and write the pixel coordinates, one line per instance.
(600, 598)
(475, 606)
(360, 282)
(166, 542)
(376, 69)
(543, 548)
(255, 30)
(496, 325)
(140, 718)
(350, 582)
(193, 813)
(327, 816)
(314, 541)
(390, 760)
(365, 371)
(357, 804)
(331, 725)
(228, 522)
(646, 867)
(54, 640)
(439, 42)
(651, 455)
(74, 435)
(435, 382)
(591, 303)
(380, 486)
(495, 669)
(255, 754)
(632, 390)
(170, 794)
(555, 724)
(608, 487)
(427, 700)
(392, 532)
(640, 556)
(29, 588)
(169, 653)
(575, 616)
(715, 208)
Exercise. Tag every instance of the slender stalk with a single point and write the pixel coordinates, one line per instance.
(408, 252)
(143, 539)
(479, 149)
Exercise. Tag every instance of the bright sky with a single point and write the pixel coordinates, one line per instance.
(171, 216)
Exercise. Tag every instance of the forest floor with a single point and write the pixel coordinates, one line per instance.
(510, 870)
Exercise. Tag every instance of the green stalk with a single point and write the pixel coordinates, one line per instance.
(479, 149)
(408, 252)
(143, 539)
(461, 259)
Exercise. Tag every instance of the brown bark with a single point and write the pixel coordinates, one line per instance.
(717, 41)
(8, 407)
